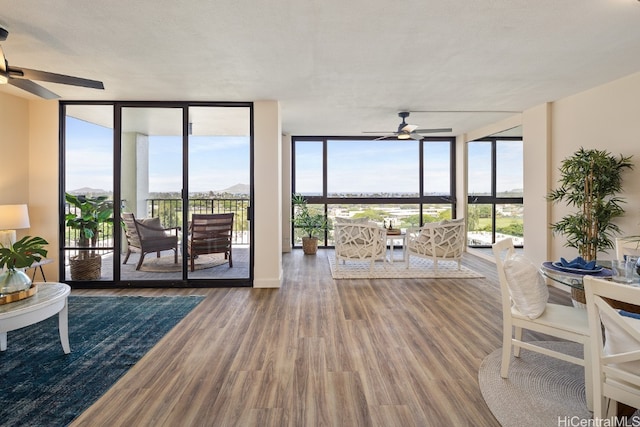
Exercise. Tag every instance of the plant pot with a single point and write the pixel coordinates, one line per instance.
(14, 281)
(310, 245)
(86, 268)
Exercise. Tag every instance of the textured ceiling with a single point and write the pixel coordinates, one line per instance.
(337, 67)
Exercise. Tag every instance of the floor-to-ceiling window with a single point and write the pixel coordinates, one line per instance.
(163, 163)
(495, 191)
(404, 183)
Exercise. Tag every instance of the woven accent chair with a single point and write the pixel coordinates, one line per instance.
(517, 279)
(359, 242)
(210, 234)
(438, 241)
(616, 364)
(147, 236)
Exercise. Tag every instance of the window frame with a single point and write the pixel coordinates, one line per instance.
(421, 200)
(493, 199)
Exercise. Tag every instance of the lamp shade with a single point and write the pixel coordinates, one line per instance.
(14, 217)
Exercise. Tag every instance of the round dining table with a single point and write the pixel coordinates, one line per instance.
(574, 278)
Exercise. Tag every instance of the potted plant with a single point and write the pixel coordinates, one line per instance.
(89, 214)
(590, 181)
(311, 223)
(16, 257)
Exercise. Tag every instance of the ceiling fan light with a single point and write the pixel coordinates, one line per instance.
(404, 135)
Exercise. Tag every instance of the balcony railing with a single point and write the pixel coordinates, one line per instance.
(170, 213)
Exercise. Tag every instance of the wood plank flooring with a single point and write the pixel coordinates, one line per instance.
(317, 352)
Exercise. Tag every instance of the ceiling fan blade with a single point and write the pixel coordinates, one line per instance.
(384, 137)
(33, 88)
(386, 131)
(433, 130)
(409, 128)
(44, 76)
(3, 62)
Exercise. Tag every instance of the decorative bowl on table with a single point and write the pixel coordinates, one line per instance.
(578, 265)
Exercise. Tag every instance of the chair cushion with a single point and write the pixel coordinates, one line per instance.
(148, 233)
(528, 290)
(617, 340)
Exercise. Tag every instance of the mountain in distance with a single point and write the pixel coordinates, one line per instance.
(87, 191)
(236, 189)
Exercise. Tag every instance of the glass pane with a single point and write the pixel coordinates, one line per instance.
(436, 212)
(308, 168)
(509, 169)
(437, 168)
(397, 215)
(480, 229)
(89, 185)
(219, 183)
(510, 223)
(479, 168)
(372, 168)
(151, 187)
(298, 234)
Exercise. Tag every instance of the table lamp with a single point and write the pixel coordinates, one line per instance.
(12, 218)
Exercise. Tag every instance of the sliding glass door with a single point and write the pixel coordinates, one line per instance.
(218, 182)
(166, 163)
(151, 173)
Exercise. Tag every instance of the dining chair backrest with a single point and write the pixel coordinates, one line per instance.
(615, 351)
(626, 246)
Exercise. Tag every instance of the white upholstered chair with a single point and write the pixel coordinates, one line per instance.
(359, 242)
(444, 241)
(524, 306)
(616, 364)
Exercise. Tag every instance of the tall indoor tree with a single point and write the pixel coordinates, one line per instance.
(590, 181)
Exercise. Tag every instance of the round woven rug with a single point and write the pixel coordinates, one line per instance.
(166, 264)
(540, 390)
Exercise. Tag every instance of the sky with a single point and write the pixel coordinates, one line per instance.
(215, 163)
(509, 166)
(367, 166)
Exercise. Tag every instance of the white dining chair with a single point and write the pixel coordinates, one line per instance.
(626, 246)
(524, 306)
(615, 349)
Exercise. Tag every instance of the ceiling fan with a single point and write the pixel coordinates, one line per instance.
(407, 131)
(21, 77)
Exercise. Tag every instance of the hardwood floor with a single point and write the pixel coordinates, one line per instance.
(317, 352)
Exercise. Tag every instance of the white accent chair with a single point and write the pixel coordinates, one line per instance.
(616, 364)
(627, 246)
(438, 241)
(359, 242)
(566, 322)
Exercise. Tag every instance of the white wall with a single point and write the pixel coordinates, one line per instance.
(267, 209)
(286, 193)
(43, 182)
(14, 143)
(536, 138)
(605, 117)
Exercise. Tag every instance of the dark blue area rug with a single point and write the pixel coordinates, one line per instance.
(42, 386)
